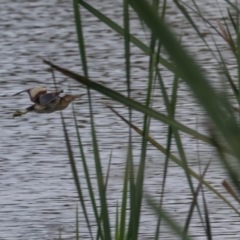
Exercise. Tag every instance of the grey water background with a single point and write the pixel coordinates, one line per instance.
(37, 192)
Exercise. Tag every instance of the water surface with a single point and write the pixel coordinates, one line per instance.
(37, 193)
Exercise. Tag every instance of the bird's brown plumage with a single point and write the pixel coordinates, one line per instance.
(34, 93)
(46, 102)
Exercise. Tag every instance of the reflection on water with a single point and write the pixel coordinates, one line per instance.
(38, 196)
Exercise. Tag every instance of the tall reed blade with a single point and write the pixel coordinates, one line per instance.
(131, 103)
(217, 107)
(75, 173)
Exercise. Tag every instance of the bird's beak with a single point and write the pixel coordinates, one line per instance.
(74, 97)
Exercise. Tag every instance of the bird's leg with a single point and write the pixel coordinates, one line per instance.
(20, 113)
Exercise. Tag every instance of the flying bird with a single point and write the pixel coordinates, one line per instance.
(46, 102)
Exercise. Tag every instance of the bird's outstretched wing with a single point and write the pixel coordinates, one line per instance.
(34, 93)
(46, 98)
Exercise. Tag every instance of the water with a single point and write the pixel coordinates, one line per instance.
(37, 195)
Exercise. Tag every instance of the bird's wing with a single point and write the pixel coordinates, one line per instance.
(56, 93)
(46, 98)
(34, 93)
(20, 92)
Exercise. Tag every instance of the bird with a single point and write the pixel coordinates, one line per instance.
(46, 102)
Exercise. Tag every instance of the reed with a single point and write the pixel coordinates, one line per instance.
(223, 129)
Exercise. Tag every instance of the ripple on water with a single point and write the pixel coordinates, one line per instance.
(38, 197)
